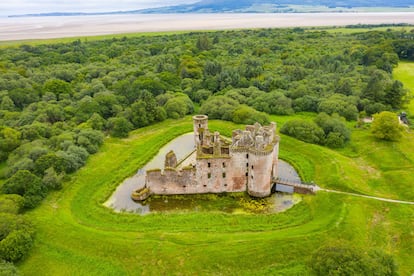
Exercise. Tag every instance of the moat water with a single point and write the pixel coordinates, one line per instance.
(184, 146)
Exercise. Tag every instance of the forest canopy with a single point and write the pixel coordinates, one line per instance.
(58, 101)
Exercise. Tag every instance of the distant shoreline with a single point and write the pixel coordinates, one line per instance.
(26, 28)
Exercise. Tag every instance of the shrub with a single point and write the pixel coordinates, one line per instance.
(343, 259)
(386, 126)
(16, 245)
(28, 185)
(7, 269)
(119, 127)
(303, 130)
(247, 115)
(336, 132)
(12, 204)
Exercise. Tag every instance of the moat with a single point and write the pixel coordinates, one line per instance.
(183, 146)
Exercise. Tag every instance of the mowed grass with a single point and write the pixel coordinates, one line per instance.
(77, 235)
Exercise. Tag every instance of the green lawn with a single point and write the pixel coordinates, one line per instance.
(76, 235)
(405, 73)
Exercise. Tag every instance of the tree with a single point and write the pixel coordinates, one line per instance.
(57, 87)
(12, 204)
(219, 107)
(16, 245)
(9, 140)
(274, 103)
(8, 269)
(73, 158)
(336, 132)
(178, 106)
(386, 126)
(203, 43)
(96, 122)
(52, 180)
(26, 184)
(303, 130)
(89, 139)
(343, 259)
(7, 103)
(119, 127)
(247, 115)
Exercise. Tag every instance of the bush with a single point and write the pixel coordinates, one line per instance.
(247, 115)
(11, 204)
(7, 269)
(336, 132)
(303, 130)
(386, 126)
(16, 245)
(16, 237)
(28, 185)
(219, 107)
(119, 127)
(338, 105)
(342, 259)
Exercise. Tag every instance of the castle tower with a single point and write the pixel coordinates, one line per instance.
(260, 173)
(200, 123)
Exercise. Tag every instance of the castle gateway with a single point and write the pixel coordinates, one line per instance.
(246, 163)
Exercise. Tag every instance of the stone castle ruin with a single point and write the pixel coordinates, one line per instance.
(247, 162)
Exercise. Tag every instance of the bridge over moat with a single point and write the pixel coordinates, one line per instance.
(290, 186)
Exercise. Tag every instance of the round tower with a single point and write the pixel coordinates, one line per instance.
(200, 123)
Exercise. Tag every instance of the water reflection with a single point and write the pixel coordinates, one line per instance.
(183, 145)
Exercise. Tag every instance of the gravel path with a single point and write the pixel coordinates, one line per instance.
(367, 196)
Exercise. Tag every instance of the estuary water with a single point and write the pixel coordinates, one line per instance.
(24, 28)
(184, 148)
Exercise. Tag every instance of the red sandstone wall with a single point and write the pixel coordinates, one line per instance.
(259, 183)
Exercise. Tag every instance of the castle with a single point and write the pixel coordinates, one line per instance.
(248, 162)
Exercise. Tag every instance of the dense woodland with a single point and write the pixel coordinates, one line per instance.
(59, 101)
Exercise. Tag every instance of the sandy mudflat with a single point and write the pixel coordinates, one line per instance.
(54, 27)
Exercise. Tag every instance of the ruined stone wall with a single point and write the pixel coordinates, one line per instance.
(213, 175)
(171, 181)
(239, 170)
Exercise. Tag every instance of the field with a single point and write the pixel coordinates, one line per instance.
(405, 73)
(76, 235)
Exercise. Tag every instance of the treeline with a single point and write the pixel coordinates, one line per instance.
(59, 101)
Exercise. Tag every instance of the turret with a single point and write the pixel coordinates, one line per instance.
(200, 123)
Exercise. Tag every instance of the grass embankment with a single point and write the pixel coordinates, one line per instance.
(78, 236)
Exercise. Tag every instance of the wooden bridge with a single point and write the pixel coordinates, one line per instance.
(289, 186)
